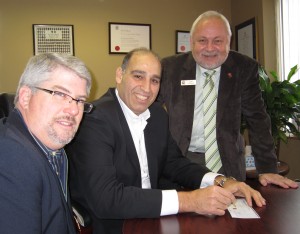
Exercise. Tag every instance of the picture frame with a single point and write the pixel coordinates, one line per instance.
(56, 38)
(246, 41)
(182, 41)
(124, 37)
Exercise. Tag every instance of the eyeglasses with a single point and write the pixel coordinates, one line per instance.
(60, 96)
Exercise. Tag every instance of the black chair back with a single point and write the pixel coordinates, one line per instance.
(6, 104)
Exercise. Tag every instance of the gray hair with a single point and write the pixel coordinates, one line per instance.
(208, 15)
(140, 50)
(40, 67)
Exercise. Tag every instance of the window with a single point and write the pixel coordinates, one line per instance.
(288, 36)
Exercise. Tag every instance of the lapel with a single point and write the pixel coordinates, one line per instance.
(151, 134)
(227, 80)
(187, 93)
(130, 148)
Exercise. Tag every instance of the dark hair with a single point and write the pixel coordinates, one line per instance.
(140, 50)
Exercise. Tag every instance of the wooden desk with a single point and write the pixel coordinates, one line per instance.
(281, 215)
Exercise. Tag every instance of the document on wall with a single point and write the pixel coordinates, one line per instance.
(242, 210)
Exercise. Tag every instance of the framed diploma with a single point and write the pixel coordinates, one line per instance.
(182, 41)
(53, 38)
(123, 37)
(246, 42)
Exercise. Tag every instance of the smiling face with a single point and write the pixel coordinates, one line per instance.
(210, 43)
(53, 121)
(139, 84)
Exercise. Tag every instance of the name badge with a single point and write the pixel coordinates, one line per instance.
(188, 82)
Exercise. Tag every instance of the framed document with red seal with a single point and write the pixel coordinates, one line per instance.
(182, 41)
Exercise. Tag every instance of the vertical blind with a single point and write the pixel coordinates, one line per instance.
(288, 34)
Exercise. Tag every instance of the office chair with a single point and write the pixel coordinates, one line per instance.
(82, 219)
(6, 104)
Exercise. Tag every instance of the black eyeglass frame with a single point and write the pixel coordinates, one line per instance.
(87, 107)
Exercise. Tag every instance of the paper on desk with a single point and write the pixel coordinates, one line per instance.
(242, 210)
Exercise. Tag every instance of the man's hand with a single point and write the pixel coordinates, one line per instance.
(210, 200)
(271, 178)
(240, 189)
(215, 200)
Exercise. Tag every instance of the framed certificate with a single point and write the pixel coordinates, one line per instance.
(53, 38)
(246, 38)
(123, 37)
(182, 41)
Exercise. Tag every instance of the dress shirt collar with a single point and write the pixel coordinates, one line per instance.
(137, 124)
(203, 70)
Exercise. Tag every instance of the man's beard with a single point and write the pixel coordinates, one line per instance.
(64, 138)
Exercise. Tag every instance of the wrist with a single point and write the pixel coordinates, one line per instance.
(184, 201)
(221, 180)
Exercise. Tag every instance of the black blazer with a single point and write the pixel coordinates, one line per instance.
(238, 94)
(31, 198)
(104, 167)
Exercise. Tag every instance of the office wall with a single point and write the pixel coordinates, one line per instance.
(90, 19)
(290, 153)
(254, 9)
(264, 13)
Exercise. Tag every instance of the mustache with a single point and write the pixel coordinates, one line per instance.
(66, 117)
(210, 53)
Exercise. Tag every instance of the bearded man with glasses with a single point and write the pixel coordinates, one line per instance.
(49, 105)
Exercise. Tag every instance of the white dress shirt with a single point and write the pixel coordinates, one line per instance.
(137, 124)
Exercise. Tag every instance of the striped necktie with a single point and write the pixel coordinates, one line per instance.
(212, 156)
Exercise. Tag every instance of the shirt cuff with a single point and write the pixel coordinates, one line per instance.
(170, 203)
(208, 179)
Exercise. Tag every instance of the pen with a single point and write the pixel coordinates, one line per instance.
(234, 206)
